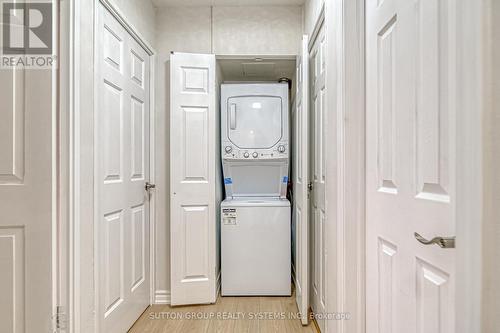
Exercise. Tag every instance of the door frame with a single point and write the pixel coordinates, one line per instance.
(345, 65)
(345, 187)
(77, 168)
(472, 25)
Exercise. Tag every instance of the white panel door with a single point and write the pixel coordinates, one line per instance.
(410, 165)
(318, 175)
(301, 180)
(27, 191)
(192, 178)
(122, 164)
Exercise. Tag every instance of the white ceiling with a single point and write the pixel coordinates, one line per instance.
(166, 3)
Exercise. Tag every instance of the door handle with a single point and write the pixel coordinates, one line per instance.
(232, 116)
(443, 242)
(148, 187)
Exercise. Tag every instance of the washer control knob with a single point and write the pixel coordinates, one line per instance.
(281, 148)
(228, 149)
(246, 154)
(255, 155)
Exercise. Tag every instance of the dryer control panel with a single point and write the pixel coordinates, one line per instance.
(279, 151)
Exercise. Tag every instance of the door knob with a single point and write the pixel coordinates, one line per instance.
(443, 242)
(148, 187)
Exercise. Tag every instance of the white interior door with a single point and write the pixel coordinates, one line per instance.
(318, 174)
(27, 191)
(410, 165)
(122, 157)
(301, 174)
(193, 178)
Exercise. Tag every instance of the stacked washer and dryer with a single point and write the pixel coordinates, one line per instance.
(255, 215)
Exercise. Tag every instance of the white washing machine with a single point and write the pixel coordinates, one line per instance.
(255, 216)
(255, 247)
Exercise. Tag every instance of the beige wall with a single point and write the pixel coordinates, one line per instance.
(273, 30)
(183, 29)
(141, 15)
(230, 30)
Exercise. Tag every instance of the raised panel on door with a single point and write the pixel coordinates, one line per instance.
(386, 289)
(410, 165)
(195, 80)
(386, 108)
(195, 144)
(113, 261)
(139, 250)
(195, 235)
(316, 285)
(113, 45)
(435, 98)
(12, 129)
(138, 68)
(434, 306)
(12, 279)
(192, 178)
(112, 122)
(137, 140)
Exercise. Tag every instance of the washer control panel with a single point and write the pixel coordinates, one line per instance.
(231, 152)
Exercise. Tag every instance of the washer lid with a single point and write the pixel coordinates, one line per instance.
(255, 202)
(255, 121)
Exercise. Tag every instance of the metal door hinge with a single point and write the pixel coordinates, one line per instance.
(60, 320)
(310, 186)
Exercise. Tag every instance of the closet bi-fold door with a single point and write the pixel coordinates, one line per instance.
(192, 178)
(301, 192)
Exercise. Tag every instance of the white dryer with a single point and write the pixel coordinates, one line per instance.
(255, 216)
(254, 139)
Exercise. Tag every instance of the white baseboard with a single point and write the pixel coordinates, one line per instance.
(162, 297)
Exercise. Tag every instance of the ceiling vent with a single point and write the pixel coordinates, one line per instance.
(259, 69)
